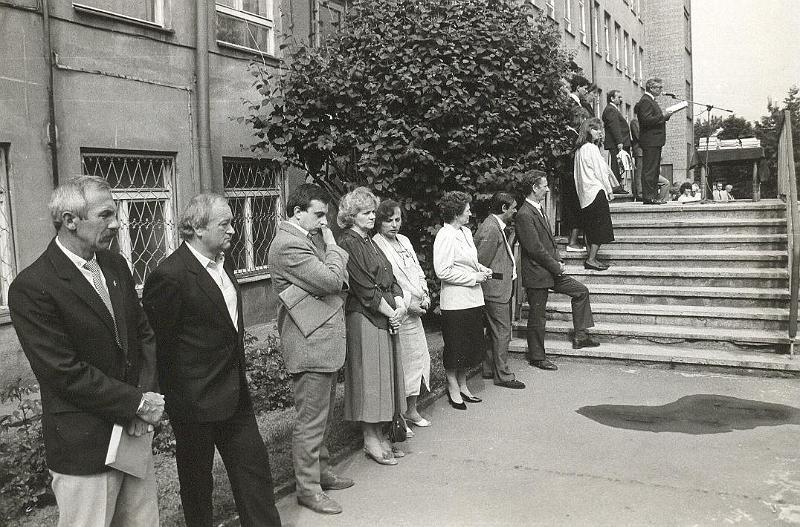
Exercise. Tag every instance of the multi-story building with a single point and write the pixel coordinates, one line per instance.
(619, 44)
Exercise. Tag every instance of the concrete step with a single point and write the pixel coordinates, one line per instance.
(707, 276)
(747, 242)
(736, 339)
(686, 258)
(687, 295)
(671, 355)
(716, 211)
(691, 226)
(700, 316)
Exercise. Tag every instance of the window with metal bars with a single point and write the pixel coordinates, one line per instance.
(253, 188)
(141, 185)
(7, 260)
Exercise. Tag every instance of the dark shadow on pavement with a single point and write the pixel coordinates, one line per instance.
(694, 414)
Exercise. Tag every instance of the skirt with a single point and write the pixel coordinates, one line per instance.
(462, 331)
(415, 355)
(369, 373)
(597, 226)
(570, 204)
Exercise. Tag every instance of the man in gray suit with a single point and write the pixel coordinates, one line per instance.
(494, 252)
(297, 257)
(542, 270)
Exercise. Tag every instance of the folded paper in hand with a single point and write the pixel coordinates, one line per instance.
(678, 106)
(308, 311)
(129, 454)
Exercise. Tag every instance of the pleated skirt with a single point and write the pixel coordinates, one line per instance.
(462, 332)
(597, 225)
(369, 375)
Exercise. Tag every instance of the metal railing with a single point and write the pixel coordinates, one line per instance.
(787, 189)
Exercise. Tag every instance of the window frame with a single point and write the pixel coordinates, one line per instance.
(607, 33)
(8, 262)
(162, 19)
(617, 38)
(550, 7)
(261, 21)
(626, 49)
(325, 4)
(634, 70)
(568, 16)
(582, 30)
(596, 25)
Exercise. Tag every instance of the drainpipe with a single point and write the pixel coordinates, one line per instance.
(592, 14)
(201, 76)
(52, 129)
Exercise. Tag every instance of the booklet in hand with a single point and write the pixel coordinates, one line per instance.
(308, 311)
(677, 106)
(129, 454)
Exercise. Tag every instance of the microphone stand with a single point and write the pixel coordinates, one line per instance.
(708, 107)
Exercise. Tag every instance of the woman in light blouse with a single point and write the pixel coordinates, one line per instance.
(455, 260)
(409, 274)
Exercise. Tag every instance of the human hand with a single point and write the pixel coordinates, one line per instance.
(563, 267)
(416, 309)
(480, 277)
(137, 427)
(327, 235)
(151, 407)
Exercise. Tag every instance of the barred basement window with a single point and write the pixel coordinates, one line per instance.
(141, 185)
(253, 188)
(7, 260)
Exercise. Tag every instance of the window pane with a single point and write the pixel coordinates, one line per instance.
(141, 9)
(249, 173)
(148, 232)
(258, 7)
(127, 172)
(238, 252)
(243, 33)
(264, 222)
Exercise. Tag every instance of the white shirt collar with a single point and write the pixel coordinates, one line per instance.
(614, 105)
(77, 260)
(535, 204)
(299, 228)
(205, 260)
(650, 94)
(501, 222)
(575, 98)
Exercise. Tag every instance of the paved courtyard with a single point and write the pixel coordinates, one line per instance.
(595, 443)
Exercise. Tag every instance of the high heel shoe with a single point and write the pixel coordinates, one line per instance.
(457, 406)
(471, 399)
(384, 459)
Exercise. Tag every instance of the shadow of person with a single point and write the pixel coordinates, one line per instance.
(694, 414)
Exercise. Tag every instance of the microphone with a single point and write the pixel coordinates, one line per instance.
(671, 95)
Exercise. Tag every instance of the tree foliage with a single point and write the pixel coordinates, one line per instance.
(416, 97)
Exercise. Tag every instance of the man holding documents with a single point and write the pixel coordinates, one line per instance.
(308, 274)
(79, 321)
(194, 304)
(652, 137)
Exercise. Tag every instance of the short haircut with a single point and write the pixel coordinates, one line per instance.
(610, 95)
(652, 82)
(453, 204)
(500, 199)
(352, 203)
(197, 213)
(302, 196)
(578, 81)
(70, 196)
(385, 211)
(685, 186)
(531, 179)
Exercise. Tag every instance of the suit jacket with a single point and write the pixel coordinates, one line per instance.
(617, 129)
(201, 364)
(493, 253)
(88, 382)
(540, 258)
(294, 259)
(652, 123)
(455, 261)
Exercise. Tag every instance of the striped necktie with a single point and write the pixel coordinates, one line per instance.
(97, 280)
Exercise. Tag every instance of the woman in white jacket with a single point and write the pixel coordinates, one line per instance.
(594, 181)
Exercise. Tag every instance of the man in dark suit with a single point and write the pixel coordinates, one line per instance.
(542, 270)
(652, 137)
(494, 252)
(195, 306)
(312, 359)
(618, 133)
(79, 321)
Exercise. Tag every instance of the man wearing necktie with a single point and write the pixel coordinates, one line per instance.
(194, 304)
(494, 252)
(543, 270)
(78, 318)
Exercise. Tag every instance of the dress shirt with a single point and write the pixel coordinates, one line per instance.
(508, 246)
(592, 174)
(216, 269)
(79, 263)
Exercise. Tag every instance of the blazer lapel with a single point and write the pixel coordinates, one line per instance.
(207, 284)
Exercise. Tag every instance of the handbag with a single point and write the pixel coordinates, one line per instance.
(397, 430)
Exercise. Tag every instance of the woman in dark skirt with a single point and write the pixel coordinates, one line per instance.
(374, 304)
(594, 181)
(455, 260)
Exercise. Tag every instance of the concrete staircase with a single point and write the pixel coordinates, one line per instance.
(700, 283)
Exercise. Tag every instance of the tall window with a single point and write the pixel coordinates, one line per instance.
(141, 185)
(596, 27)
(687, 24)
(617, 44)
(7, 259)
(329, 17)
(568, 15)
(253, 188)
(627, 52)
(582, 8)
(550, 6)
(151, 12)
(641, 64)
(690, 96)
(607, 34)
(633, 59)
(246, 24)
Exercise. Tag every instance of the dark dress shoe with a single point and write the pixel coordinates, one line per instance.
(330, 481)
(544, 364)
(587, 265)
(457, 406)
(469, 399)
(514, 385)
(320, 503)
(619, 190)
(587, 342)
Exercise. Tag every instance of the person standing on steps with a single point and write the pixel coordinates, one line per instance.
(543, 270)
(617, 135)
(652, 138)
(495, 252)
(570, 205)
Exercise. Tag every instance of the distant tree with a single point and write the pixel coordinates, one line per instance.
(731, 127)
(704, 128)
(768, 129)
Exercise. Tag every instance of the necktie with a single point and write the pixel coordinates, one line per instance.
(97, 280)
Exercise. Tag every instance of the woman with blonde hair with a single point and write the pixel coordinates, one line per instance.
(374, 305)
(594, 181)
